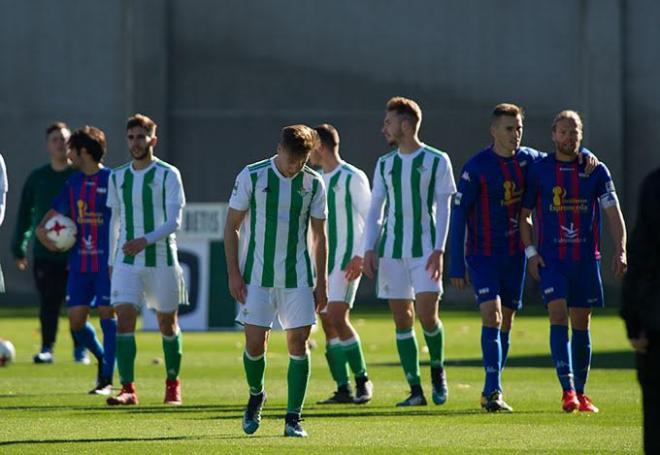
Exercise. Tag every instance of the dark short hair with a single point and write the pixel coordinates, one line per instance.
(328, 135)
(407, 108)
(56, 126)
(143, 121)
(91, 139)
(299, 139)
(507, 110)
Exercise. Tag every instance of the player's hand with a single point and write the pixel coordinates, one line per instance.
(42, 235)
(592, 163)
(370, 263)
(237, 288)
(640, 344)
(21, 264)
(434, 265)
(133, 247)
(533, 265)
(460, 283)
(353, 269)
(619, 264)
(320, 296)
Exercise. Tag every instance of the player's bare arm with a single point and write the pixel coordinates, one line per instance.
(370, 263)
(237, 287)
(135, 246)
(320, 249)
(592, 163)
(534, 259)
(617, 229)
(460, 283)
(434, 265)
(353, 269)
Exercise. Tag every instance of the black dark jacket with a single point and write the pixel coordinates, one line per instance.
(640, 305)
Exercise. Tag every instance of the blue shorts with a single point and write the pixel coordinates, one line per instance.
(90, 289)
(501, 277)
(578, 282)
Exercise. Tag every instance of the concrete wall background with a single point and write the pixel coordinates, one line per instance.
(222, 77)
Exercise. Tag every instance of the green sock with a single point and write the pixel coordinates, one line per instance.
(255, 370)
(173, 350)
(353, 351)
(337, 363)
(297, 379)
(406, 344)
(435, 341)
(126, 351)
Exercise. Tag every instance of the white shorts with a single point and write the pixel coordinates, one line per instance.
(163, 288)
(340, 289)
(404, 278)
(294, 307)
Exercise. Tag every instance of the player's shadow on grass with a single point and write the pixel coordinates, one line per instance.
(104, 409)
(600, 360)
(91, 440)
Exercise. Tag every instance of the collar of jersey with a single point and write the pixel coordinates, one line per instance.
(142, 171)
(279, 174)
(410, 156)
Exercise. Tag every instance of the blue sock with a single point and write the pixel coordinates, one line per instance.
(559, 346)
(109, 327)
(492, 355)
(87, 338)
(504, 341)
(581, 352)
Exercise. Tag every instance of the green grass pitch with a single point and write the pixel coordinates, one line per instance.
(45, 408)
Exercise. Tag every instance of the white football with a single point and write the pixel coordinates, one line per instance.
(7, 353)
(62, 231)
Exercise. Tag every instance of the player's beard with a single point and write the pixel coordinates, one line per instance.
(393, 140)
(141, 153)
(569, 148)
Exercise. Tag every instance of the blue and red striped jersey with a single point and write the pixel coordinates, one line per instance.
(567, 202)
(83, 199)
(487, 203)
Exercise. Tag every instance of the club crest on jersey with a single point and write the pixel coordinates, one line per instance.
(421, 168)
(302, 191)
(558, 194)
(512, 194)
(560, 203)
(87, 217)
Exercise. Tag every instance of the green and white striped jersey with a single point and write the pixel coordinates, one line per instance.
(142, 197)
(348, 204)
(410, 187)
(276, 252)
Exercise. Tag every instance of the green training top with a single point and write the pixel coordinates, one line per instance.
(41, 187)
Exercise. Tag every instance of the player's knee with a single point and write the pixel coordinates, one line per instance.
(338, 319)
(492, 319)
(558, 317)
(255, 348)
(297, 343)
(429, 322)
(76, 324)
(404, 319)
